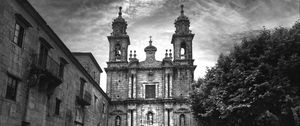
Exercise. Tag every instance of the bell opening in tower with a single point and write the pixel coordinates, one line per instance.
(183, 51)
(118, 52)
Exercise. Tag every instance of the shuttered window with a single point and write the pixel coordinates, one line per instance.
(150, 91)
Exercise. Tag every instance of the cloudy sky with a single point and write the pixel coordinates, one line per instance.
(84, 25)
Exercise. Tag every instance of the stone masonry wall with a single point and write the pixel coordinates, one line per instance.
(16, 60)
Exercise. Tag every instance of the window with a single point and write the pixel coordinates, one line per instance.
(19, 30)
(11, 88)
(150, 91)
(150, 118)
(182, 120)
(168, 88)
(95, 101)
(18, 34)
(183, 51)
(62, 65)
(118, 121)
(57, 106)
(103, 107)
(94, 75)
(79, 116)
(168, 110)
(132, 80)
(43, 56)
(131, 117)
(82, 83)
(118, 51)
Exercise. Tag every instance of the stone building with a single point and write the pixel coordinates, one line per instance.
(41, 82)
(150, 92)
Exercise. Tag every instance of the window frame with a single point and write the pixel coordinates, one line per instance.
(147, 91)
(79, 116)
(57, 106)
(19, 33)
(14, 80)
(82, 85)
(43, 52)
(23, 24)
(62, 66)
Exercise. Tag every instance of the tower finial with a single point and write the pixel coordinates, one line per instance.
(150, 42)
(120, 11)
(181, 9)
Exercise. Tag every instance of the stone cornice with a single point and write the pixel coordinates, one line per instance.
(181, 35)
(149, 101)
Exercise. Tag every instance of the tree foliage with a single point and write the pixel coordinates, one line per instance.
(257, 84)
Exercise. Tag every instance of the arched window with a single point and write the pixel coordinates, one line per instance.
(150, 118)
(182, 120)
(183, 51)
(118, 51)
(118, 121)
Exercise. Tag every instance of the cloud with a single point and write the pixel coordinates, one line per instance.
(218, 24)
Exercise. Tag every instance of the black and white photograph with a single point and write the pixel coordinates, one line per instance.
(149, 62)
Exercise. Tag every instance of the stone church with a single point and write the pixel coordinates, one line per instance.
(150, 92)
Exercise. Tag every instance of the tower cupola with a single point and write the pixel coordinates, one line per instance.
(182, 23)
(150, 51)
(119, 25)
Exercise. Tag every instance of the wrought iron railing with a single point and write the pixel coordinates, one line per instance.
(46, 63)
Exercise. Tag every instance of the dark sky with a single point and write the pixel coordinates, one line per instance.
(218, 24)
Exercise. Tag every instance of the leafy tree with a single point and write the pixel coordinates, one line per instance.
(257, 84)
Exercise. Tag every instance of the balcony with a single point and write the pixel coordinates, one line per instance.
(45, 73)
(84, 99)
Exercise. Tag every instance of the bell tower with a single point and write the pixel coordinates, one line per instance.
(116, 70)
(118, 40)
(182, 39)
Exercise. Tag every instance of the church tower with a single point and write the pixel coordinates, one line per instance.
(118, 40)
(182, 41)
(116, 66)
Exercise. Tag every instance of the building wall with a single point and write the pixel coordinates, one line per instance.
(89, 66)
(41, 105)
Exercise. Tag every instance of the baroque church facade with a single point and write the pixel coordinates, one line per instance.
(150, 92)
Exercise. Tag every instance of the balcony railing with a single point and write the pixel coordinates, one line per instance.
(84, 99)
(48, 64)
(47, 71)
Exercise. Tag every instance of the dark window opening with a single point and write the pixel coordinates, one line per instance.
(18, 34)
(150, 91)
(57, 106)
(132, 80)
(118, 121)
(62, 65)
(82, 83)
(150, 118)
(95, 101)
(183, 51)
(11, 88)
(118, 52)
(43, 56)
(94, 75)
(103, 108)
(79, 116)
(168, 88)
(168, 117)
(182, 120)
(131, 118)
